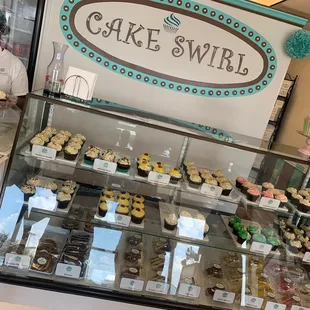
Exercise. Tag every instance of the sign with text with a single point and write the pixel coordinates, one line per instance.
(131, 284)
(306, 258)
(188, 290)
(223, 296)
(104, 166)
(157, 287)
(269, 203)
(68, 271)
(211, 190)
(159, 178)
(261, 248)
(274, 306)
(253, 302)
(15, 260)
(43, 152)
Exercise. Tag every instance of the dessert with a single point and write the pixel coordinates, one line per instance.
(171, 221)
(52, 186)
(252, 194)
(123, 201)
(303, 205)
(253, 230)
(295, 198)
(204, 171)
(243, 236)
(137, 215)
(295, 246)
(91, 154)
(267, 194)
(66, 133)
(63, 200)
(43, 262)
(266, 186)
(240, 181)
(259, 238)
(144, 169)
(303, 193)
(283, 200)
(214, 271)
(227, 187)
(175, 176)
(267, 232)
(306, 246)
(70, 183)
(192, 170)
(211, 181)
(233, 220)
(146, 156)
(103, 209)
(211, 291)
(237, 228)
(29, 191)
(123, 164)
(108, 155)
(218, 173)
(34, 182)
(245, 186)
(55, 146)
(36, 141)
(80, 137)
(195, 181)
(206, 229)
(109, 192)
(107, 198)
(58, 140)
(70, 152)
(67, 190)
(63, 136)
(125, 195)
(187, 164)
(290, 191)
(77, 141)
(50, 129)
(122, 209)
(288, 237)
(159, 169)
(43, 136)
(138, 198)
(275, 242)
(74, 144)
(274, 191)
(71, 224)
(138, 204)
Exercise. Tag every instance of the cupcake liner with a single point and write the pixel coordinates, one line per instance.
(240, 240)
(288, 195)
(238, 184)
(302, 208)
(293, 249)
(143, 173)
(169, 226)
(102, 213)
(122, 168)
(251, 197)
(28, 195)
(226, 192)
(194, 184)
(68, 156)
(62, 204)
(137, 220)
(174, 180)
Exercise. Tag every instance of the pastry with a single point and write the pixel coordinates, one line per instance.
(290, 191)
(145, 156)
(109, 192)
(70, 183)
(204, 171)
(243, 236)
(303, 205)
(294, 246)
(28, 191)
(253, 230)
(122, 209)
(77, 141)
(144, 169)
(71, 224)
(43, 262)
(266, 186)
(288, 237)
(218, 173)
(43, 136)
(137, 215)
(267, 232)
(75, 144)
(63, 200)
(298, 231)
(295, 198)
(107, 198)
(123, 201)
(240, 181)
(134, 240)
(36, 141)
(70, 152)
(227, 187)
(303, 193)
(274, 191)
(206, 230)
(192, 170)
(175, 176)
(283, 200)
(91, 154)
(58, 140)
(214, 271)
(211, 291)
(123, 164)
(259, 238)
(306, 246)
(108, 155)
(211, 181)
(237, 228)
(274, 242)
(125, 195)
(252, 194)
(233, 220)
(66, 133)
(34, 182)
(138, 204)
(80, 137)
(187, 164)
(171, 222)
(245, 186)
(67, 190)
(52, 186)
(63, 136)
(138, 198)
(159, 169)
(50, 129)
(195, 181)
(267, 194)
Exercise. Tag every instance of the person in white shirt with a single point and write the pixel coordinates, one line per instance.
(13, 74)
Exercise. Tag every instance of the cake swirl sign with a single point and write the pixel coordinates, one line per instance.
(181, 46)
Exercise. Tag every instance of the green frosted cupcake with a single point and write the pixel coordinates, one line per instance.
(259, 238)
(275, 242)
(268, 233)
(243, 236)
(253, 230)
(237, 228)
(233, 220)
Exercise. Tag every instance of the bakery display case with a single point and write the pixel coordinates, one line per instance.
(104, 200)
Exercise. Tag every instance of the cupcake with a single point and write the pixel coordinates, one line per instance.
(144, 169)
(252, 194)
(47, 133)
(50, 129)
(187, 164)
(122, 209)
(145, 156)
(63, 200)
(44, 137)
(175, 176)
(123, 201)
(66, 133)
(80, 136)
(267, 232)
(221, 180)
(266, 186)
(252, 230)
(67, 189)
(204, 171)
(195, 181)
(34, 182)
(306, 246)
(211, 181)
(274, 242)
(290, 191)
(52, 186)
(70, 153)
(303, 205)
(170, 222)
(58, 140)
(294, 246)
(138, 198)
(218, 173)
(125, 195)
(55, 146)
(243, 236)
(233, 220)
(36, 141)
(303, 193)
(246, 186)
(240, 181)
(138, 204)
(237, 227)
(106, 198)
(159, 169)
(287, 237)
(227, 188)
(29, 191)
(90, 156)
(103, 209)
(108, 191)
(70, 183)
(267, 194)
(123, 164)
(283, 200)
(205, 176)
(108, 155)
(259, 238)
(137, 215)
(63, 136)
(77, 141)
(274, 191)
(74, 144)
(295, 198)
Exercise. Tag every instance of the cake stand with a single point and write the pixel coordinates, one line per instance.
(304, 152)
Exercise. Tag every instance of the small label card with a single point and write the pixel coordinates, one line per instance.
(223, 296)
(299, 308)
(306, 257)
(68, 271)
(117, 219)
(159, 178)
(261, 248)
(104, 166)
(15, 260)
(132, 285)
(43, 152)
(269, 203)
(274, 306)
(211, 190)
(253, 302)
(187, 290)
(157, 287)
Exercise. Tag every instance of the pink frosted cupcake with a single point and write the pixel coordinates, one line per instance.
(252, 194)
(267, 194)
(240, 181)
(283, 200)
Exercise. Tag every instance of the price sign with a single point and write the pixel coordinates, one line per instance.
(131, 284)
(211, 190)
(188, 290)
(43, 152)
(223, 296)
(269, 203)
(274, 306)
(159, 178)
(68, 271)
(253, 302)
(157, 287)
(299, 308)
(306, 257)
(117, 219)
(104, 166)
(15, 260)
(261, 248)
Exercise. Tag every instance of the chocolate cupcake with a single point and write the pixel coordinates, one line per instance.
(175, 176)
(138, 198)
(52, 186)
(194, 181)
(122, 209)
(266, 186)
(246, 186)
(233, 220)
(259, 238)
(36, 141)
(295, 199)
(70, 153)
(103, 209)
(303, 205)
(240, 181)
(253, 230)
(28, 191)
(55, 146)
(243, 236)
(274, 242)
(91, 154)
(290, 191)
(108, 155)
(171, 222)
(63, 200)
(227, 188)
(252, 194)
(294, 246)
(123, 165)
(144, 169)
(137, 215)
(123, 194)
(303, 193)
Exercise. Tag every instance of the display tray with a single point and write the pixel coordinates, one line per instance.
(255, 204)
(188, 228)
(59, 158)
(245, 245)
(300, 214)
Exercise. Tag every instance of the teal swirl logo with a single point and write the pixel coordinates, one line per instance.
(171, 23)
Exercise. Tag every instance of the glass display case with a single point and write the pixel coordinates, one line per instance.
(104, 200)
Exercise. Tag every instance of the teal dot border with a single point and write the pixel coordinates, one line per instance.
(197, 8)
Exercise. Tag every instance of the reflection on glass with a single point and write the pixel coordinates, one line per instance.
(43, 199)
(106, 239)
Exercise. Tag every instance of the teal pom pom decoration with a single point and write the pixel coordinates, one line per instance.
(298, 44)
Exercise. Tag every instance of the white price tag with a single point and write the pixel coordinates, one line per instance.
(15, 260)
(253, 302)
(269, 203)
(64, 270)
(157, 287)
(274, 306)
(104, 166)
(117, 219)
(306, 257)
(131, 284)
(223, 296)
(188, 290)
(43, 152)
(211, 190)
(261, 248)
(159, 178)
(299, 308)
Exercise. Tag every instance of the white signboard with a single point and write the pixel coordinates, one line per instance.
(159, 178)
(157, 287)
(261, 248)
(269, 203)
(43, 152)
(211, 190)
(223, 296)
(15, 260)
(68, 271)
(104, 166)
(188, 290)
(131, 284)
